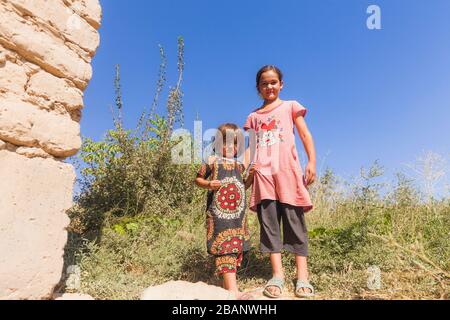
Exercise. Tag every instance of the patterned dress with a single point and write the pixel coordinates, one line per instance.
(227, 234)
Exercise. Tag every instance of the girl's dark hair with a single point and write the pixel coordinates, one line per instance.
(266, 68)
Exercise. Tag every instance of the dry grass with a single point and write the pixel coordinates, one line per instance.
(409, 244)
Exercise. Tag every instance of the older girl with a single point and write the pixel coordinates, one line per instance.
(279, 191)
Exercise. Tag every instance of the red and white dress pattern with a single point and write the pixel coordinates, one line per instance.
(229, 200)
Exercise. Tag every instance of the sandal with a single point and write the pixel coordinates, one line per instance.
(303, 285)
(274, 282)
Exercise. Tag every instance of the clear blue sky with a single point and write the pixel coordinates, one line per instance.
(371, 94)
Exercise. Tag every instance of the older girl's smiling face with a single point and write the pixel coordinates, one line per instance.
(270, 85)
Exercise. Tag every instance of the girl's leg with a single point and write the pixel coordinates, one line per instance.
(302, 267)
(226, 266)
(302, 270)
(277, 267)
(296, 239)
(223, 264)
(229, 282)
(270, 242)
(277, 272)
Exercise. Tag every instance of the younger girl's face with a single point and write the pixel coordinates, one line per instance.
(270, 85)
(229, 150)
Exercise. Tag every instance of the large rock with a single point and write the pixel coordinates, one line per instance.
(23, 124)
(56, 90)
(13, 78)
(182, 290)
(46, 47)
(72, 296)
(88, 9)
(35, 193)
(55, 14)
(42, 48)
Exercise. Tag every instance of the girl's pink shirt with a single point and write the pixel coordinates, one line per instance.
(280, 176)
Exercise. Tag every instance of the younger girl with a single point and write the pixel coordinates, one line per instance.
(227, 234)
(279, 190)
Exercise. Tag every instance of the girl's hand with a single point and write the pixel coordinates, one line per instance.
(253, 168)
(214, 185)
(310, 173)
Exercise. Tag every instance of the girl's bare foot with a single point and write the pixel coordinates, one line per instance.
(274, 290)
(274, 287)
(303, 288)
(302, 273)
(243, 296)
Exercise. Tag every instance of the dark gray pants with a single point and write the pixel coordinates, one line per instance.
(295, 234)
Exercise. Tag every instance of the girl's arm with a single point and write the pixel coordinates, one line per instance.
(206, 184)
(202, 183)
(247, 158)
(202, 176)
(308, 144)
(251, 175)
(248, 182)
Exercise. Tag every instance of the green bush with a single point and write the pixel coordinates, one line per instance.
(130, 172)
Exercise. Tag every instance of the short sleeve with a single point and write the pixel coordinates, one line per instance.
(204, 171)
(248, 123)
(297, 110)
